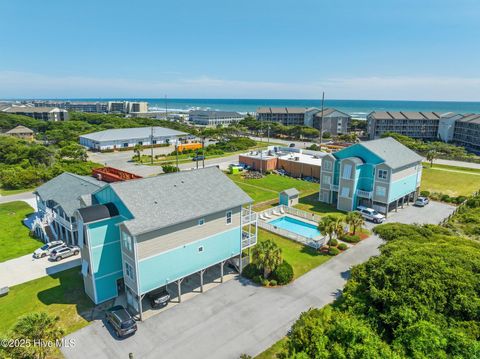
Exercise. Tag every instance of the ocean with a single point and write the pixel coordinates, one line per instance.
(356, 108)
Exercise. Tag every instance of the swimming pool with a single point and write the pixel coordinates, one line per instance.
(296, 226)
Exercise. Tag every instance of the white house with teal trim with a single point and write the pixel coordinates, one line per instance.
(144, 234)
(381, 174)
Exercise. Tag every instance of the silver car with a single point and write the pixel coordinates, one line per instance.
(421, 201)
(370, 214)
(47, 248)
(64, 252)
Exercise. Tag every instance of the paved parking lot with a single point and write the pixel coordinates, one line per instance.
(238, 317)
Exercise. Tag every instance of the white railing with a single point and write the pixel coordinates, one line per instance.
(334, 187)
(64, 222)
(248, 239)
(248, 216)
(364, 194)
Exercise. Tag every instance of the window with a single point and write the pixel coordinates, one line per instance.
(201, 221)
(345, 192)
(328, 165)
(347, 171)
(326, 179)
(200, 249)
(229, 217)
(125, 144)
(381, 191)
(129, 271)
(127, 241)
(382, 174)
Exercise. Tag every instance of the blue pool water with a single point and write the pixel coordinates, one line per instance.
(296, 226)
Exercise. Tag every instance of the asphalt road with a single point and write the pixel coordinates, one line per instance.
(238, 317)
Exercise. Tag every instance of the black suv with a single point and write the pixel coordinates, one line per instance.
(159, 297)
(121, 321)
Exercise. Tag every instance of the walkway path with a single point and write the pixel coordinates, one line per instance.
(237, 317)
(456, 171)
(457, 163)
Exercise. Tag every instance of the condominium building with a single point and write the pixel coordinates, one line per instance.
(382, 174)
(467, 132)
(39, 113)
(141, 235)
(332, 121)
(214, 118)
(76, 106)
(420, 125)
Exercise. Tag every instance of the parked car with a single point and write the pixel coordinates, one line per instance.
(47, 248)
(63, 252)
(198, 158)
(291, 145)
(121, 321)
(421, 201)
(159, 297)
(370, 214)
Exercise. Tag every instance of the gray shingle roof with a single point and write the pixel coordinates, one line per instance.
(291, 192)
(399, 115)
(392, 152)
(119, 134)
(66, 190)
(165, 200)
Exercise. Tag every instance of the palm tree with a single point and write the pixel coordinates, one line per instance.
(338, 228)
(267, 256)
(354, 220)
(36, 327)
(431, 155)
(327, 225)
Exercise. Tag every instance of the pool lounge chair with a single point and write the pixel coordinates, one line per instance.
(267, 215)
(275, 213)
(282, 211)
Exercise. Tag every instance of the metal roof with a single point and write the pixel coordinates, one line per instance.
(119, 134)
(329, 111)
(471, 118)
(392, 152)
(291, 192)
(66, 190)
(168, 199)
(404, 115)
(98, 212)
(25, 109)
(215, 114)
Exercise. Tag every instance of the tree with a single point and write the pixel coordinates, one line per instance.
(431, 156)
(74, 151)
(354, 220)
(327, 225)
(38, 327)
(267, 256)
(137, 149)
(338, 228)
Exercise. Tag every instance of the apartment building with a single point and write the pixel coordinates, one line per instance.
(141, 235)
(332, 121)
(382, 174)
(214, 118)
(39, 113)
(467, 132)
(57, 200)
(76, 106)
(419, 125)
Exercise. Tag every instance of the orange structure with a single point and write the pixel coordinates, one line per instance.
(189, 146)
(110, 174)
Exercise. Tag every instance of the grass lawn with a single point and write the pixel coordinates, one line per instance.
(268, 187)
(451, 180)
(14, 236)
(301, 258)
(8, 192)
(271, 353)
(60, 294)
(312, 204)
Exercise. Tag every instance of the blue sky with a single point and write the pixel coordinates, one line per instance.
(371, 49)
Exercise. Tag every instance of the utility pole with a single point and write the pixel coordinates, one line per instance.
(203, 152)
(151, 145)
(176, 154)
(321, 121)
(268, 134)
(166, 108)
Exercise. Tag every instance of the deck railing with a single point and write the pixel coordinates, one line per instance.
(364, 194)
(248, 239)
(248, 216)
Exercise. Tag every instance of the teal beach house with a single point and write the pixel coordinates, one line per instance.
(382, 174)
(140, 235)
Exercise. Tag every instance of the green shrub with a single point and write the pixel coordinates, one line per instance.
(342, 246)
(333, 242)
(265, 282)
(351, 238)
(333, 251)
(273, 283)
(258, 279)
(250, 271)
(283, 274)
(425, 193)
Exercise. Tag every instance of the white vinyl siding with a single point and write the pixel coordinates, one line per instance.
(381, 191)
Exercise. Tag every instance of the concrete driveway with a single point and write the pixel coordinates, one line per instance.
(238, 317)
(26, 268)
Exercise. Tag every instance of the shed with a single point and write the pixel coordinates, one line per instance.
(289, 197)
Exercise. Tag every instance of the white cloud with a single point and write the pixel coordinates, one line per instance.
(30, 85)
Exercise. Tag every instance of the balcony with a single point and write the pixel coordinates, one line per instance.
(248, 216)
(334, 187)
(248, 239)
(364, 194)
